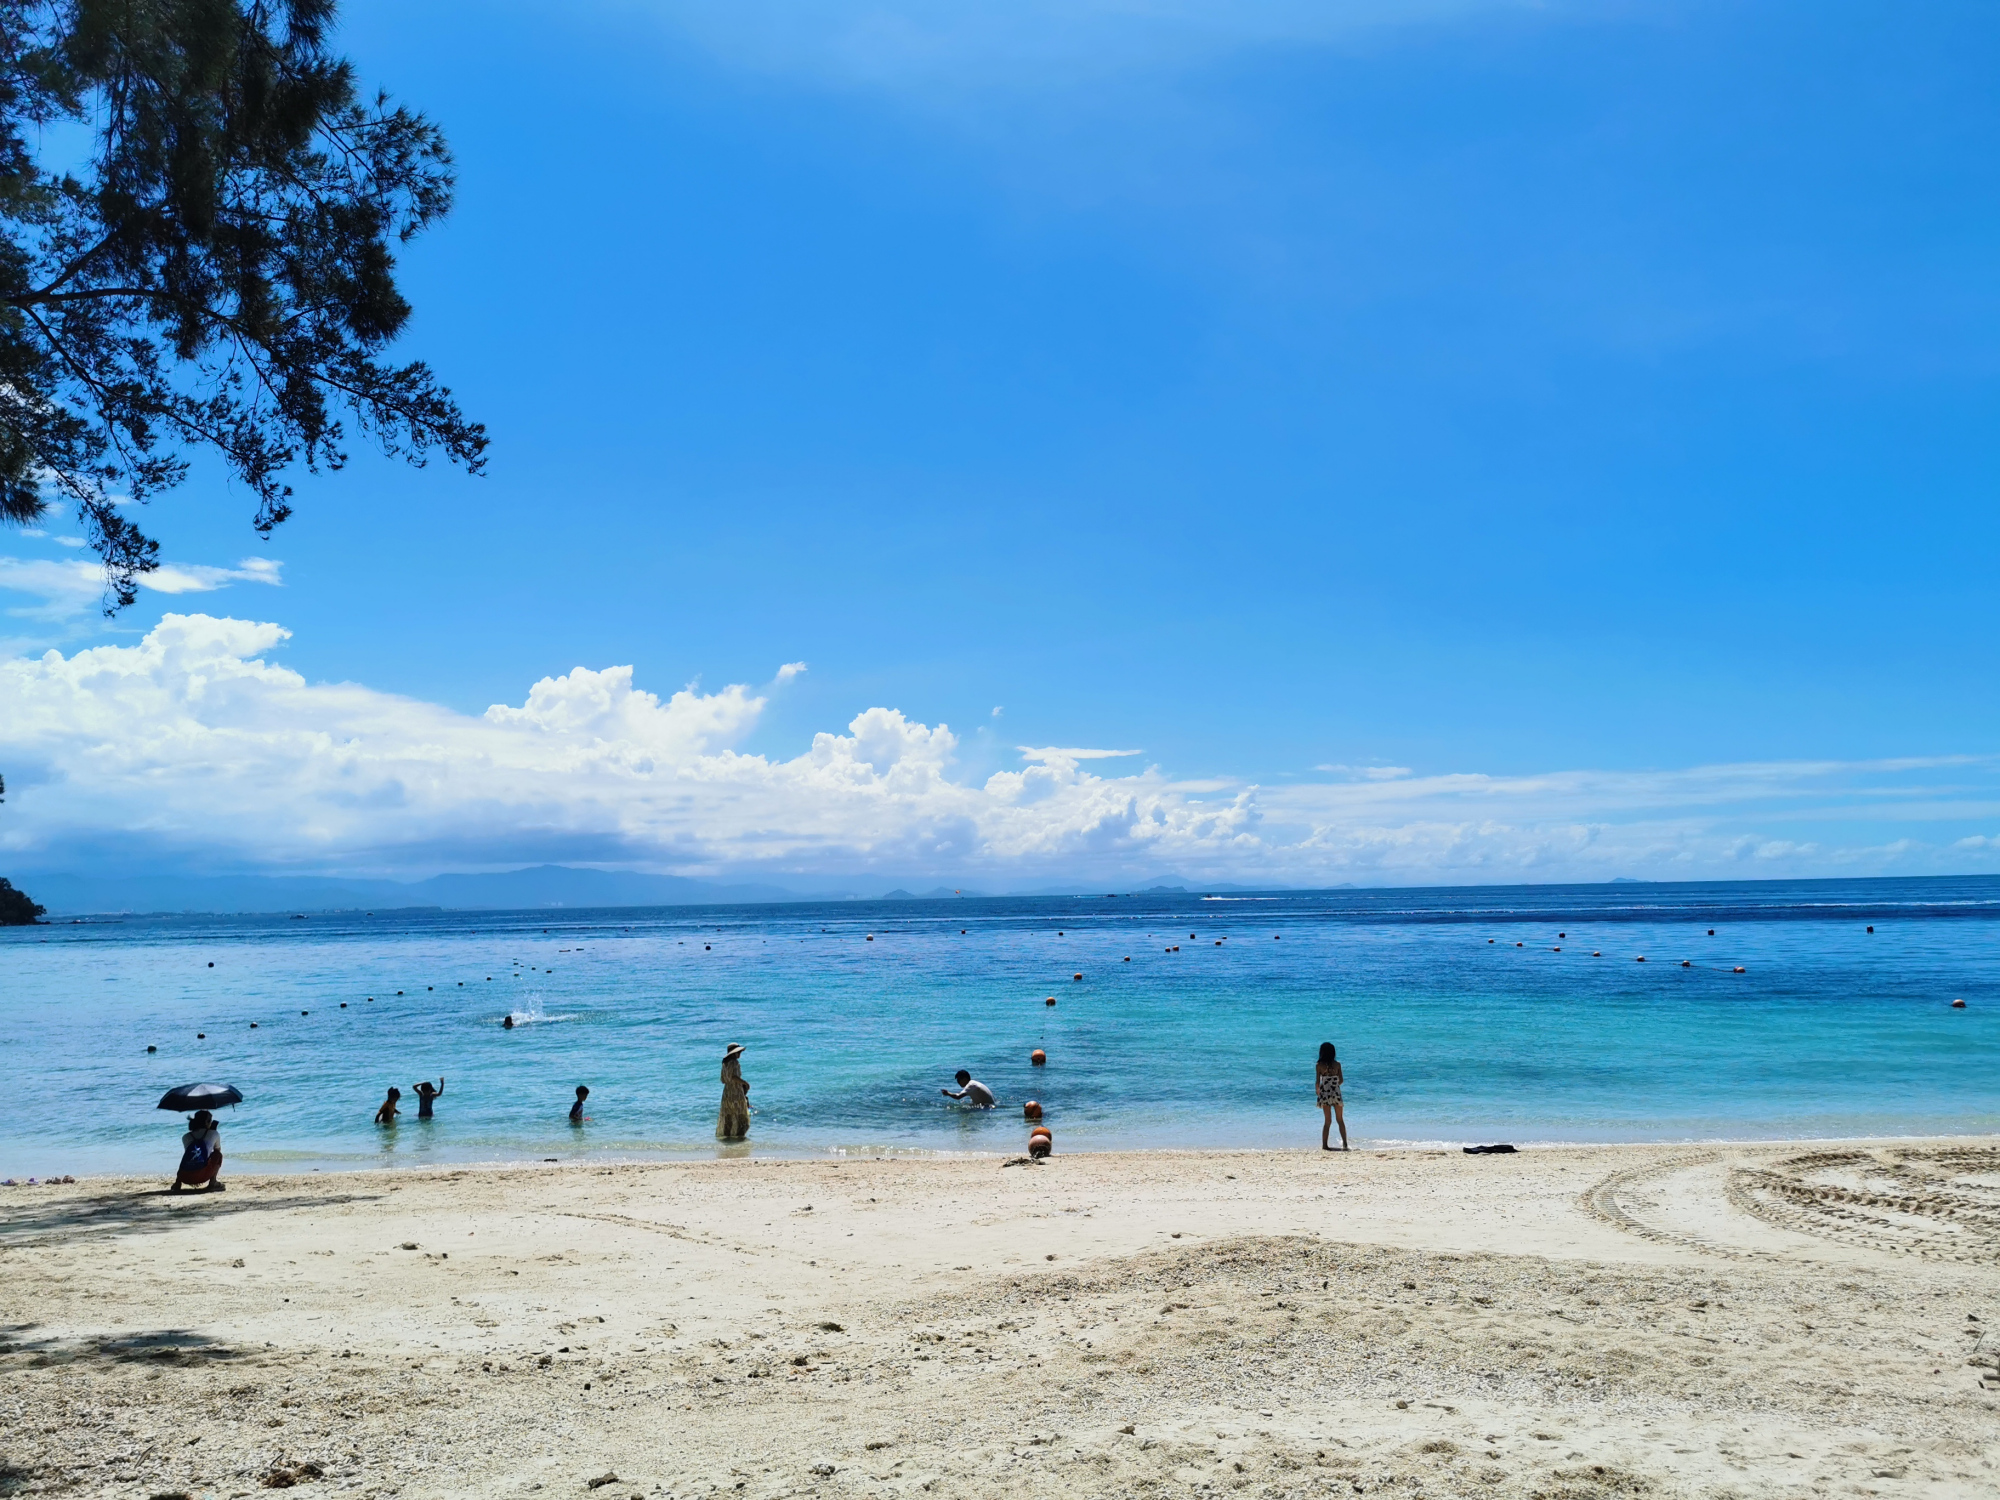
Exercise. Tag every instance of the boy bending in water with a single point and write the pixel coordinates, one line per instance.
(975, 1094)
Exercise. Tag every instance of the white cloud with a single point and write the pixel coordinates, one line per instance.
(1053, 752)
(193, 742)
(193, 739)
(1373, 773)
(790, 670)
(64, 589)
(68, 588)
(184, 578)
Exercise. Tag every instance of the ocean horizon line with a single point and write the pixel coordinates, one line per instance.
(724, 895)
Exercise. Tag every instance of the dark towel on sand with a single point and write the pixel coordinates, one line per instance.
(1489, 1150)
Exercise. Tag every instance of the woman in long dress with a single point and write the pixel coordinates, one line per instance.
(1326, 1088)
(733, 1121)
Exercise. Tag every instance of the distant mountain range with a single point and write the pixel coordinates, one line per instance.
(68, 895)
(545, 885)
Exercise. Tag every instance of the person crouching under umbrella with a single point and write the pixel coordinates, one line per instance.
(201, 1154)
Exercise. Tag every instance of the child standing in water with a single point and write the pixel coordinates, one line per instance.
(1326, 1080)
(576, 1109)
(386, 1115)
(425, 1095)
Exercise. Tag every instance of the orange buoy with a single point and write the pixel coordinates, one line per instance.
(1041, 1145)
(1050, 1001)
(1038, 1058)
(1739, 968)
(1640, 959)
(1563, 935)
(1128, 958)
(1555, 950)
(1076, 976)
(1032, 1110)
(1958, 1005)
(1597, 953)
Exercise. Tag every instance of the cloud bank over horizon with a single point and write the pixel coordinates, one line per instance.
(192, 749)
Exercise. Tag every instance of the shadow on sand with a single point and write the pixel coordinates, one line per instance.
(159, 1346)
(70, 1215)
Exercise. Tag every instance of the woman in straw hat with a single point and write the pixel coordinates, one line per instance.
(733, 1122)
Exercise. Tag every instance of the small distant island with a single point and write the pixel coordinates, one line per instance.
(16, 909)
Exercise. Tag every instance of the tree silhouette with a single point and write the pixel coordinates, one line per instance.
(218, 275)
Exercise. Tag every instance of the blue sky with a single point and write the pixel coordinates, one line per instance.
(1490, 390)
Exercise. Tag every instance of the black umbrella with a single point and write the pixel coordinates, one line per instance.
(200, 1096)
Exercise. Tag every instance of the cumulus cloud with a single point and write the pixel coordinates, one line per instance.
(195, 743)
(194, 740)
(790, 670)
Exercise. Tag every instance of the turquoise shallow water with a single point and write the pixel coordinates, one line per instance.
(1448, 1030)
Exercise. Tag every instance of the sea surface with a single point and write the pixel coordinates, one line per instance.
(1484, 1014)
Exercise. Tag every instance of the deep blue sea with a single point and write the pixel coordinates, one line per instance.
(1480, 1014)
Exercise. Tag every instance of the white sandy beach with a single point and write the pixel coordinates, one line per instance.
(1564, 1324)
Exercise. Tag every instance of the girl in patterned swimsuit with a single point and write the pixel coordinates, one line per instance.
(1327, 1078)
